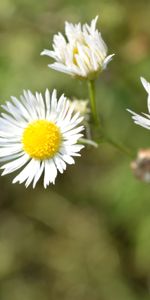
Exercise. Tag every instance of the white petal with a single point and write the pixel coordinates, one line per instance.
(9, 126)
(26, 172)
(146, 84)
(49, 53)
(68, 127)
(73, 131)
(15, 164)
(68, 159)
(11, 157)
(72, 140)
(60, 67)
(140, 120)
(35, 171)
(60, 164)
(40, 107)
(63, 113)
(21, 109)
(61, 103)
(54, 101)
(48, 102)
(50, 172)
(11, 150)
(38, 174)
(30, 102)
(14, 122)
(107, 60)
(74, 148)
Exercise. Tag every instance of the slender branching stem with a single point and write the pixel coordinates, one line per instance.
(91, 87)
(119, 146)
(103, 137)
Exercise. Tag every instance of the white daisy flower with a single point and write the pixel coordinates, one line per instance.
(138, 119)
(83, 53)
(39, 134)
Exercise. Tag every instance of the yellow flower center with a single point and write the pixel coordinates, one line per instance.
(75, 51)
(41, 139)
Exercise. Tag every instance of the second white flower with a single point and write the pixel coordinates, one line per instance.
(83, 53)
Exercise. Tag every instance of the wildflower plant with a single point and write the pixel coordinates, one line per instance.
(42, 134)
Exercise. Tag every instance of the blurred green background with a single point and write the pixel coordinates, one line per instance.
(87, 237)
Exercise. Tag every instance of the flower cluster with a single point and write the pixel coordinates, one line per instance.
(41, 134)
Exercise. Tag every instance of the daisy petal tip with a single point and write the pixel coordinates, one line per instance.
(2, 167)
(43, 52)
(96, 19)
(130, 111)
(52, 66)
(143, 81)
(47, 93)
(145, 84)
(14, 181)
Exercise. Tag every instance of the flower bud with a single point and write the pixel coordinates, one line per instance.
(141, 166)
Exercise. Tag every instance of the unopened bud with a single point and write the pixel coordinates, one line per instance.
(141, 166)
(81, 106)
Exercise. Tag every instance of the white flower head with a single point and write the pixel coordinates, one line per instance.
(39, 134)
(82, 53)
(138, 119)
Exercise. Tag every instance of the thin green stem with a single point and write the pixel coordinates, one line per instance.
(88, 142)
(118, 146)
(102, 137)
(91, 87)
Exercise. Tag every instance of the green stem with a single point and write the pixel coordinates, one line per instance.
(118, 146)
(88, 142)
(91, 87)
(102, 135)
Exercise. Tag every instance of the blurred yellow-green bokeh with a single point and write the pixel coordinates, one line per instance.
(87, 237)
